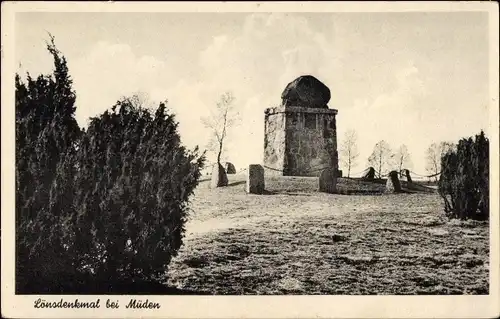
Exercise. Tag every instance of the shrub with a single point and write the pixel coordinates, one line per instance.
(464, 181)
(45, 130)
(131, 186)
(98, 207)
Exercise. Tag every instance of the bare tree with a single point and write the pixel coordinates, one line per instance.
(433, 157)
(219, 123)
(403, 158)
(381, 157)
(349, 150)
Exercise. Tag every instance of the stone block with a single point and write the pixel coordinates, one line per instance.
(255, 179)
(219, 177)
(328, 181)
(406, 172)
(370, 174)
(230, 169)
(393, 185)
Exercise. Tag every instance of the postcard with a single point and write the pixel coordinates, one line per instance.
(250, 160)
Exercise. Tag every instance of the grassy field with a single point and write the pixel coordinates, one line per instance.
(295, 240)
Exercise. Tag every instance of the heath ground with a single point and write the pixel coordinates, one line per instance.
(295, 240)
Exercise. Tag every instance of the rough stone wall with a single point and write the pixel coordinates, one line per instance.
(299, 141)
(274, 142)
(310, 148)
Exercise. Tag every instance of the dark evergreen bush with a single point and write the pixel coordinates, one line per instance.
(45, 131)
(464, 181)
(131, 187)
(98, 207)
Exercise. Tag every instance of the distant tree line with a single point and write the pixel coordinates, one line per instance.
(382, 159)
(461, 170)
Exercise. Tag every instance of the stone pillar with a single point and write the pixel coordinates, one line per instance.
(219, 177)
(408, 177)
(299, 140)
(393, 185)
(255, 179)
(370, 174)
(230, 169)
(328, 181)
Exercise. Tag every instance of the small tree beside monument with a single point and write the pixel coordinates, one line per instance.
(219, 123)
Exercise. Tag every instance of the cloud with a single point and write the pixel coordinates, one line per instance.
(270, 51)
(255, 64)
(109, 71)
(394, 115)
(380, 84)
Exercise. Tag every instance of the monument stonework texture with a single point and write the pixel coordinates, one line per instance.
(300, 137)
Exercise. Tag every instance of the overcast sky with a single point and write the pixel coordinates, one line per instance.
(407, 78)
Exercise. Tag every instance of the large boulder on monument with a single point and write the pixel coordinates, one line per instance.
(230, 169)
(393, 185)
(255, 179)
(328, 181)
(306, 91)
(369, 175)
(219, 177)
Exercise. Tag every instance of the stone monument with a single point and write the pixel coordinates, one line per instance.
(300, 137)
